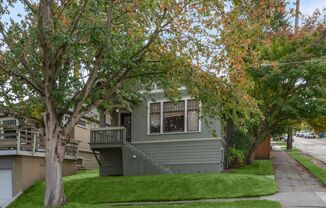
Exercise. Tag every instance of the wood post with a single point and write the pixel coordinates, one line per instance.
(34, 144)
(18, 141)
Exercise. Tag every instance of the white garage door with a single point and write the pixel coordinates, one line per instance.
(5, 187)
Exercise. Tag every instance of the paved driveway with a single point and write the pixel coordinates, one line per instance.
(313, 147)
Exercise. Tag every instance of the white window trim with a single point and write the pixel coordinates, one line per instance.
(83, 162)
(94, 125)
(161, 101)
(64, 121)
(81, 126)
(5, 119)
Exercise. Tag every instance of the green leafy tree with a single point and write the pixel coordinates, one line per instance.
(71, 57)
(290, 84)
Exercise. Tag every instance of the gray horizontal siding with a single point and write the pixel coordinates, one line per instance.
(90, 161)
(186, 152)
(139, 123)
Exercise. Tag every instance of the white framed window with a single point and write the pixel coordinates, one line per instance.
(82, 123)
(165, 117)
(80, 161)
(155, 118)
(192, 115)
(65, 118)
(9, 122)
(94, 125)
(8, 125)
(174, 117)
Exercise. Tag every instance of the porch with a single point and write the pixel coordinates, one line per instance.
(106, 144)
(29, 143)
(117, 155)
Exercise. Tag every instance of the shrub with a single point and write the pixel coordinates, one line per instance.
(235, 157)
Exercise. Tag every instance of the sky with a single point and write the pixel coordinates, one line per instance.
(307, 7)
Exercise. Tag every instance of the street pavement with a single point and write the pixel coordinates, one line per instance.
(313, 147)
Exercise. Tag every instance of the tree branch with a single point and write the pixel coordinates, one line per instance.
(21, 59)
(21, 77)
(93, 74)
(29, 5)
(10, 112)
(158, 29)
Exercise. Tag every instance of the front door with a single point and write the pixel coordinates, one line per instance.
(125, 120)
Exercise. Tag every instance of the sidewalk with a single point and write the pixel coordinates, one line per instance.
(297, 187)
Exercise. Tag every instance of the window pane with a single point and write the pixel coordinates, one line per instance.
(155, 118)
(192, 115)
(193, 121)
(173, 117)
(80, 161)
(82, 123)
(192, 105)
(10, 122)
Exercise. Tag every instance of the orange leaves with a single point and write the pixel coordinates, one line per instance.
(64, 20)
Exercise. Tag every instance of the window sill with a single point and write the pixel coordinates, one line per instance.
(83, 127)
(172, 133)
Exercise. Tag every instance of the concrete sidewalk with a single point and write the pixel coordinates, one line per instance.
(297, 187)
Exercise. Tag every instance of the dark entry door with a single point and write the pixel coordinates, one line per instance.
(125, 120)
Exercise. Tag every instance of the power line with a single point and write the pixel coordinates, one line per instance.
(294, 62)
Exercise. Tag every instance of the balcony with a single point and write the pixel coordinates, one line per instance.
(29, 143)
(108, 137)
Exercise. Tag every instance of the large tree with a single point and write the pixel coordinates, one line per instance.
(289, 86)
(73, 56)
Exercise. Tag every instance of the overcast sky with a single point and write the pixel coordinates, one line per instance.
(307, 7)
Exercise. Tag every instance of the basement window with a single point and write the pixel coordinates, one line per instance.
(80, 162)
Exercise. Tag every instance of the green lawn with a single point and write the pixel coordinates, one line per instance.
(279, 142)
(95, 190)
(86, 189)
(236, 204)
(307, 162)
(258, 167)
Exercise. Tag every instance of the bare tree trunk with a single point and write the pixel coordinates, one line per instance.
(251, 155)
(55, 151)
(260, 137)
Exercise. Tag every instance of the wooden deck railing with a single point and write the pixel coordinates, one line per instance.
(29, 142)
(108, 135)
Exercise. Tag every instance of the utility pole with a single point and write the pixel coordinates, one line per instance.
(297, 12)
(289, 139)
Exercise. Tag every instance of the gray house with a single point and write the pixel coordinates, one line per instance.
(159, 137)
